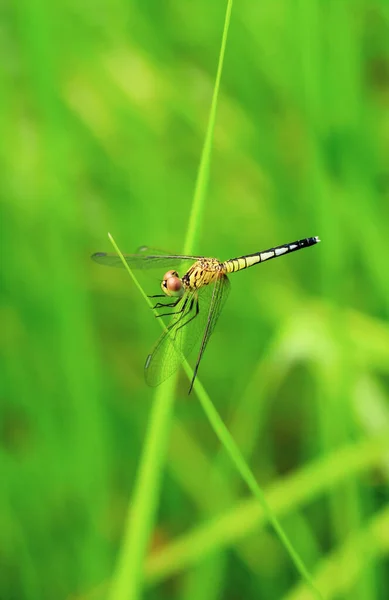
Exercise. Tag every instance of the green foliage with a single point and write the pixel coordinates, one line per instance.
(104, 112)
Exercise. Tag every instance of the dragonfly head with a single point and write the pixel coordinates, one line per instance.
(171, 284)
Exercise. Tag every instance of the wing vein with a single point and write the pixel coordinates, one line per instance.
(219, 296)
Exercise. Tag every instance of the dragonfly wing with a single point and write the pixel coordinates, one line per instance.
(142, 261)
(181, 336)
(152, 250)
(220, 293)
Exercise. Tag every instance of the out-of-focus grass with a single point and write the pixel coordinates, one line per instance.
(103, 112)
(288, 494)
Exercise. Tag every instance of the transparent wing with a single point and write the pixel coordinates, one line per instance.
(142, 261)
(184, 332)
(219, 296)
(152, 250)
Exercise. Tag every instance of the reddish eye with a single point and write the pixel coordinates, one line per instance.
(172, 284)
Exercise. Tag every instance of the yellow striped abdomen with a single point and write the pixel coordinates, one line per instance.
(243, 262)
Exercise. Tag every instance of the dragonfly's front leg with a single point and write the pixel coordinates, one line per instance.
(169, 304)
(175, 312)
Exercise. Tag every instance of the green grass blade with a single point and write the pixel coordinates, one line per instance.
(203, 172)
(242, 467)
(339, 574)
(127, 580)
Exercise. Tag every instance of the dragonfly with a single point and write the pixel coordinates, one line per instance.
(194, 301)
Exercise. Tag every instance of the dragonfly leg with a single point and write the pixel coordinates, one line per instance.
(181, 313)
(158, 296)
(175, 312)
(169, 305)
(191, 319)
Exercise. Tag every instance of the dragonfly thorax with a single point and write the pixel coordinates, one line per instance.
(171, 284)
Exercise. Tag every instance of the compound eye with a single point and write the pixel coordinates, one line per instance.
(172, 284)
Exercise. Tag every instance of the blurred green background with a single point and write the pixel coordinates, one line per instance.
(103, 113)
